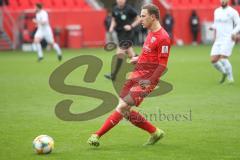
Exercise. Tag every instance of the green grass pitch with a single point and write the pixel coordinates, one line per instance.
(27, 106)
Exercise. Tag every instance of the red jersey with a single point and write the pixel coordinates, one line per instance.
(155, 52)
(153, 60)
(156, 48)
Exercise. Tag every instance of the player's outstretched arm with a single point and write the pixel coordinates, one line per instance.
(157, 73)
(163, 54)
(154, 78)
(236, 22)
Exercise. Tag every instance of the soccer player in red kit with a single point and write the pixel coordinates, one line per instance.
(149, 66)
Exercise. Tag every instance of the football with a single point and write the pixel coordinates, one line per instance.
(43, 144)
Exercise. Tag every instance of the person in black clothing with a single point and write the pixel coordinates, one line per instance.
(194, 24)
(4, 2)
(107, 21)
(124, 19)
(168, 23)
(110, 37)
(235, 2)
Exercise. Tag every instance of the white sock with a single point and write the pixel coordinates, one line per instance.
(39, 50)
(34, 47)
(57, 49)
(227, 65)
(219, 66)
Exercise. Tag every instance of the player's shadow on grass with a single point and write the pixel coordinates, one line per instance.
(161, 146)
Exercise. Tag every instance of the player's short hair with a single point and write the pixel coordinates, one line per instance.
(152, 10)
(39, 5)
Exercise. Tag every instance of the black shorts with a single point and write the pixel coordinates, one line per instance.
(125, 35)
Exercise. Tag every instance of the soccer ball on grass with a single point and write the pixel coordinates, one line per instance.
(43, 144)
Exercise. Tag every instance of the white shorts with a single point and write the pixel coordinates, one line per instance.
(222, 48)
(45, 33)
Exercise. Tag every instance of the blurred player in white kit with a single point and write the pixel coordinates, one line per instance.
(44, 31)
(226, 25)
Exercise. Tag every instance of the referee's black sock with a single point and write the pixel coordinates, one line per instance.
(118, 66)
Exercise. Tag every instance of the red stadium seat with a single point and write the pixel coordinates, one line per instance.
(175, 2)
(80, 3)
(47, 3)
(58, 4)
(24, 4)
(188, 3)
(70, 3)
(84, 5)
(204, 2)
(184, 3)
(14, 4)
(53, 4)
(33, 2)
(215, 2)
(195, 2)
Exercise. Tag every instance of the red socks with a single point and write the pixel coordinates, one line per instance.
(139, 121)
(135, 118)
(110, 122)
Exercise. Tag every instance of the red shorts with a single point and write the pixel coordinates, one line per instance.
(132, 88)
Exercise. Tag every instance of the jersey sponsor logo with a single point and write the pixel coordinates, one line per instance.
(165, 49)
(153, 39)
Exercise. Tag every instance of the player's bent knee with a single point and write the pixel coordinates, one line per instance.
(37, 40)
(129, 100)
(214, 59)
(123, 107)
